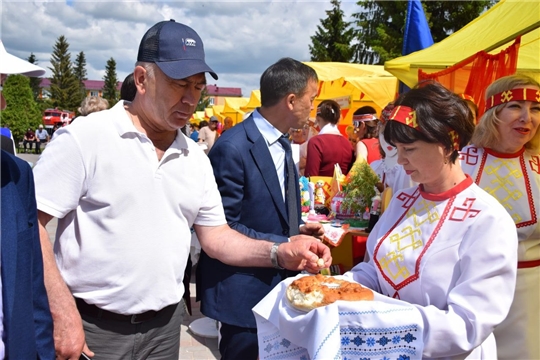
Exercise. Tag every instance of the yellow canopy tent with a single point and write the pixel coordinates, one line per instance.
(197, 117)
(215, 110)
(327, 71)
(232, 109)
(354, 86)
(253, 103)
(492, 32)
(353, 93)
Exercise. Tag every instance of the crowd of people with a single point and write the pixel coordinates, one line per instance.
(460, 239)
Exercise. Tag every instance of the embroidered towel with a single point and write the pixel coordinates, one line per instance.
(381, 329)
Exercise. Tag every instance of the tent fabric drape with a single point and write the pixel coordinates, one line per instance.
(494, 30)
(482, 69)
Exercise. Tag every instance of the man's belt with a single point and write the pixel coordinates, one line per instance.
(93, 311)
(528, 264)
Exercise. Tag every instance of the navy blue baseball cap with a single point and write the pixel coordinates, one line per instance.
(175, 48)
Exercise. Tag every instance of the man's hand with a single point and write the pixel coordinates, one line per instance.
(313, 229)
(69, 335)
(303, 253)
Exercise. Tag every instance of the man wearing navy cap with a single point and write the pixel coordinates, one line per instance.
(125, 205)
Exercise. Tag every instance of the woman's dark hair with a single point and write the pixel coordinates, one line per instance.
(438, 111)
(365, 110)
(329, 111)
(372, 126)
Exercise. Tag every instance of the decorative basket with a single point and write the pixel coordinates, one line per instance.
(336, 205)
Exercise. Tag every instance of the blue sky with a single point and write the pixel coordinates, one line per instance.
(241, 39)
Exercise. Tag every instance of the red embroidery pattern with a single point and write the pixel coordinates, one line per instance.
(462, 213)
(534, 217)
(470, 157)
(513, 95)
(524, 172)
(455, 139)
(535, 163)
(407, 199)
(405, 115)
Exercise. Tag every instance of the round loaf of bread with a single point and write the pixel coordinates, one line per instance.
(310, 292)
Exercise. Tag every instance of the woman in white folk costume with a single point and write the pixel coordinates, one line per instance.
(504, 160)
(437, 246)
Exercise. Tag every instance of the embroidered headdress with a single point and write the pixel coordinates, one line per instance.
(407, 116)
(518, 94)
(357, 119)
(386, 112)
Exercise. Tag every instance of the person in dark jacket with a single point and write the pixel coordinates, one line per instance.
(26, 328)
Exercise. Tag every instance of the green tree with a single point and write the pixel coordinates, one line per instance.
(35, 83)
(448, 17)
(79, 69)
(110, 86)
(204, 101)
(332, 41)
(65, 92)
(22, 111)
(379, 25)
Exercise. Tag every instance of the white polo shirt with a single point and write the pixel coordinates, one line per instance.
(123, 234)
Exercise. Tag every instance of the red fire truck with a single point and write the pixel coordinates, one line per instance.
(52, 117)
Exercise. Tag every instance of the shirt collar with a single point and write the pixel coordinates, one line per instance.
(124, 125)
(329, 129)
(268, 131)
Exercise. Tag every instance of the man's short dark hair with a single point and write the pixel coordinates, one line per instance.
(128, 89)
(287, 76)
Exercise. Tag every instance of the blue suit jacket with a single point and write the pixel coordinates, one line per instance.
(28, 327)
(254, 206)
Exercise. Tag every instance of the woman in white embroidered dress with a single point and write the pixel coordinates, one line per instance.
(504, 160)
(445, 246)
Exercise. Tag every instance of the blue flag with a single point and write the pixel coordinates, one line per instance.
(417, 35)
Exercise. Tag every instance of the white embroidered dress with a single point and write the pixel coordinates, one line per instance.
(514, 180)
(451, 255)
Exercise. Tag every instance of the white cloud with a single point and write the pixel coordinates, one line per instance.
(241, 39)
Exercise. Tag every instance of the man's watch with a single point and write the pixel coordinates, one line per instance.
(273, 256)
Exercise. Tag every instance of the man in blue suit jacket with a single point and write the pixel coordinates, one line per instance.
(26, 328)
(249, 166)
(27, 320)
